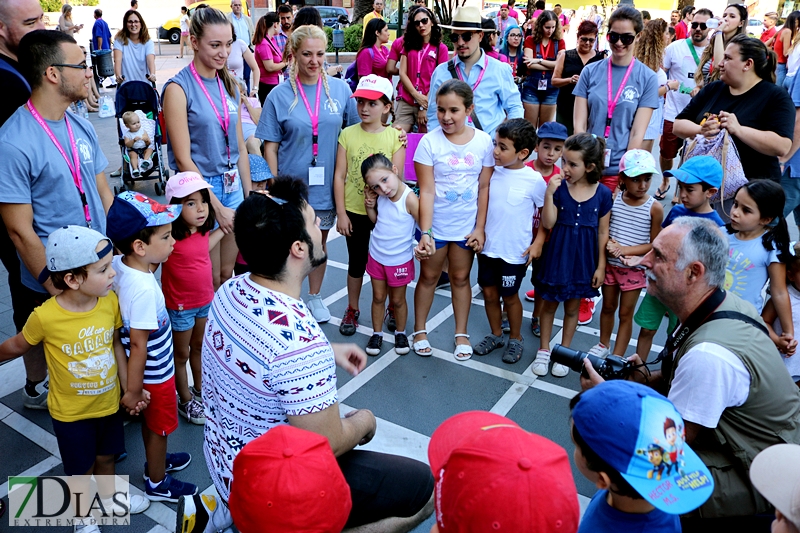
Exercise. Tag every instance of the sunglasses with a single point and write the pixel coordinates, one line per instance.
(422, 21)
(80, 66)
(589, 40)
(701, 25)
(466, 36)
(626, 38)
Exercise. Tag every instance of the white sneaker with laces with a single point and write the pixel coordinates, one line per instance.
(599, 350)
(318, 308)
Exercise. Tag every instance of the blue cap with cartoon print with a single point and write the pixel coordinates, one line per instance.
(639, 432)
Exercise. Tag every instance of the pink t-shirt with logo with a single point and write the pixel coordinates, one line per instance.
(268, 49)
(186, 278)
(423, 63)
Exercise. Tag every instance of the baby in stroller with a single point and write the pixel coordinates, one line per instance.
(138, 144)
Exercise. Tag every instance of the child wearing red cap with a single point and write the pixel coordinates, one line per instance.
(188, 284)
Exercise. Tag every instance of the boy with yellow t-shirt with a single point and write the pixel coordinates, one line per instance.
(80, 332)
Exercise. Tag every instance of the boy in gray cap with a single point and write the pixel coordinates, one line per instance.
(88, 427)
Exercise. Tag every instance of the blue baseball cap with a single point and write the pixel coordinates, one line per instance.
(552, 130)
(638, 432)
(259, 169)
(699, 169)
(131, 212)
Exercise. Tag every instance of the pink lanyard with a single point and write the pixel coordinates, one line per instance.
(75, 165)
(613, 104)
(480, 76)
(224, 124)
(274, 48)
(422, 55)
(314, 118)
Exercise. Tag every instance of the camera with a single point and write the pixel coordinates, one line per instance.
(612, 367)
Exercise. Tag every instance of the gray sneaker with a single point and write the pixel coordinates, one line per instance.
(39, 401)
(318, 308)
(192, 411)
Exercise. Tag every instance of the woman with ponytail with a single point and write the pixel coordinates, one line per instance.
(734, 22)
(287, 125)
(758, 114)
(201, 110)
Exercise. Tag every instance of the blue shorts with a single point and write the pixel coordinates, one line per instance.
(532, 96)
(231, 200)
(461, 244)
(184, 320)
(82, 441)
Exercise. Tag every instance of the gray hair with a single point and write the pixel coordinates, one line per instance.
(703, 242)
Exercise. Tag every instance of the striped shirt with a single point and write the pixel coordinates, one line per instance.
(630, 225)
(264, 358)
(142, 306)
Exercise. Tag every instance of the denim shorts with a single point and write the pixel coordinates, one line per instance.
(327, 218)
(231, 200)
(532, 96)
(184, 320)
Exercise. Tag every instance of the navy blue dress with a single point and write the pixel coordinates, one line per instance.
(570, 258)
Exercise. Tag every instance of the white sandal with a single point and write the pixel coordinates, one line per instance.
(424, 344)
(463, 351)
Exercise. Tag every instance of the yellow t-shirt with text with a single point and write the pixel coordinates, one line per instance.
(359, 146)
(369, 16)
(79, 348)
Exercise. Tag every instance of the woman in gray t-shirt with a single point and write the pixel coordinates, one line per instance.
(134, 53)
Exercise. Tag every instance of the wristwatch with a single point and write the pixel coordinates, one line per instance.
(429, 233)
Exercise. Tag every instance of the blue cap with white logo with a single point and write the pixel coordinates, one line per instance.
(638, 432)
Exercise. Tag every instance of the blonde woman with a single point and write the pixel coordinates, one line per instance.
(287, 127)
(65, 23)
(649, 49)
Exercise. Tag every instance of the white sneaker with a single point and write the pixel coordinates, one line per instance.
(40, 400)
(541, 362)
(599, 350)
(559, 370)
(318, 308)
(202, 513)
(137, 504)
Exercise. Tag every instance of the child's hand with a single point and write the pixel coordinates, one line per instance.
(425, 249)
(343, 225)
(555, 183)
(598, 277)
(475, 240)
(370, 198)
(631, 260)
(534, 251)
(786, 344)
(613, 248)
(132, 402)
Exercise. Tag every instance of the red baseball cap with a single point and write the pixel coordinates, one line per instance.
(288, 480)
(493, 475)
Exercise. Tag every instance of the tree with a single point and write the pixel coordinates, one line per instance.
(444, 9)
(361, 8)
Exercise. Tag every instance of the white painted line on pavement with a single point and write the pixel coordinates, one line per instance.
(509, 399)
(160, 529)
(367, 374)
(5, 411)
(32, 432)
(36, 470)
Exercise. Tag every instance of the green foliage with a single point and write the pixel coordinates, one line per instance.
(446, 38)
(50, 6)
(352, 38)
(329, 35)
(90, 2)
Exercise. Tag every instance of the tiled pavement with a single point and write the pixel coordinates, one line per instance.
(410, 395)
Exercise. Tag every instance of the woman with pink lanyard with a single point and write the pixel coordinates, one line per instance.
(373, 54)
(615, 97)
(423, 51)
(268, 55)
(201, 110)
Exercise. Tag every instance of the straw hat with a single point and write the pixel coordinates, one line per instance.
(465, 18)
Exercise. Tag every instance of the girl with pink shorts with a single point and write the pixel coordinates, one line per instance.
(394, 209)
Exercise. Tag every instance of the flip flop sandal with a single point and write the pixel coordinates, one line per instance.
(661, 195)
(513, 352)
(422, 348)
(463, 351)
(489, 343)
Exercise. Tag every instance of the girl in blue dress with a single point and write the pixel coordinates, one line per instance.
(576, 211)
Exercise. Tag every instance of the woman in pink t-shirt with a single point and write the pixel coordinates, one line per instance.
(372, 56)
(423, 50)
(268, 54)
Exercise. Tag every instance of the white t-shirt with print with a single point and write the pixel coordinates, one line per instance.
(680, 65)
(456, 173)
(514, 195)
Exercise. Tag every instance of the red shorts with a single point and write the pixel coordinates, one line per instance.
(670, 143)
(612, 182)
(161, 416)
(394, 276)
(628, 279)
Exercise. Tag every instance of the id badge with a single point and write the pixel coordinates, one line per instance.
(230, 180)
(607, 157)
(316, 175)
(543, 85)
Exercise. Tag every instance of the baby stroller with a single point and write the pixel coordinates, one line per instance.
(141, 97)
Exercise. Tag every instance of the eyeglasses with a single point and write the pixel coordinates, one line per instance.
(626, 38)
(701, 25)
(466, 36)
(80, 66)
(422, 21)
(512, 35)
(134, 22)
(589, 40)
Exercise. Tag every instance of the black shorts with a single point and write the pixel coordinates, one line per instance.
(28, 301)
(536, 265)
(494, 272)
(80, 442)
(383, 485)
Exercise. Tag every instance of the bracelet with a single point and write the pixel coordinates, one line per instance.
(429, 233)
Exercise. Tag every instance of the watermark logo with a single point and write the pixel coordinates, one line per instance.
(41, 501)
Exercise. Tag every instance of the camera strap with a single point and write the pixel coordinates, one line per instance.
(703, 314)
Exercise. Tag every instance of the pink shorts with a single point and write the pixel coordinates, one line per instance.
(394, 276)
(628, 279)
